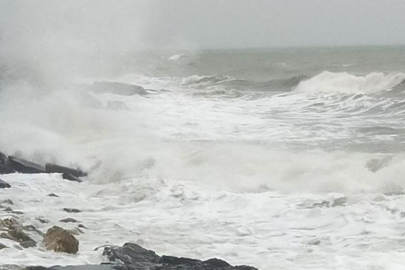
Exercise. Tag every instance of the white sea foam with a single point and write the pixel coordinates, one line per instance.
(348, 83)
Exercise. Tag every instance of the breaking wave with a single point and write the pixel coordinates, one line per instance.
(344, 82)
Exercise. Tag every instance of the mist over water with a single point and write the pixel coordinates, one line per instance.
(264, 112)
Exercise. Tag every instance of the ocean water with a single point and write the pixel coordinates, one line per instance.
(276, 158)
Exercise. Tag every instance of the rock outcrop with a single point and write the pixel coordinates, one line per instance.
(5, 166)
(134, 256)
(67, 173)
(13, 230)
(11, 164)
(60, 240)
(25, 166)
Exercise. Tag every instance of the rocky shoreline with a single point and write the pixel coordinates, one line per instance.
(130, 256)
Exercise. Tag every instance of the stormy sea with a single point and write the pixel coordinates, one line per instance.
(275, 158)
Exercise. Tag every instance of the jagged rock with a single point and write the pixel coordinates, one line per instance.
(68, 176)
(8, 201)
(137, 258)
(24, 166)
(14, 232)
(131, 253)
(67, 220)
(5, 166)
(118, 88)
(60, 240)
(71, 210)
(53, 168)
(4, 184)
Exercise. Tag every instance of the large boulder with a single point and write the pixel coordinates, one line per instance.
(60, 240)
(25, 166)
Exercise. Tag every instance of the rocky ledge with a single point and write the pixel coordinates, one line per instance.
(134, 257)
(12, 164)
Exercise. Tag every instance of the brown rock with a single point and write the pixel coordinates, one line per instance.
(60, 240)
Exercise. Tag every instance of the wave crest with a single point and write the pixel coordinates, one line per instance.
(344, 82)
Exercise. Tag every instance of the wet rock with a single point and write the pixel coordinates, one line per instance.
(8, 201)
(14, 232)
(24, 166)
(42, 220)
(2, 246)
(9, 210)
(136, 257)
(131, 253)
(5, 166)
(4, 184)
(60, 240)
(71, 210)
(28, 244)
(68, 220)
(117, 88)
(68, 176)
(53, 168)
(82, 226)
(76, 231)
(53, 195)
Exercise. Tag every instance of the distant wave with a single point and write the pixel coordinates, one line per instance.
(230, 83)
(344, 82)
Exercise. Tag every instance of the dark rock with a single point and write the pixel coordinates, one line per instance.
(9, 210)
(53, 195)
(4, 184)
(70, 177)
(131, 253)
(28, 244)
(60, 240)
(216, 263)
(42, 220)
(176, 261)
(5, 166)
(71, 210)
(31, 228)
(90, 267)
(2, 246)
(8, 201)
(24, 166)
(17, 234)
(82, 226)
(67, 220)
(118, 88)
(53, 168)
(136, 257)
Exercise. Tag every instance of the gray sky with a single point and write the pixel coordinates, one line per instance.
(199, 24)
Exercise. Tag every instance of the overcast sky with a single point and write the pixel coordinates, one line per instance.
(199, 24)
